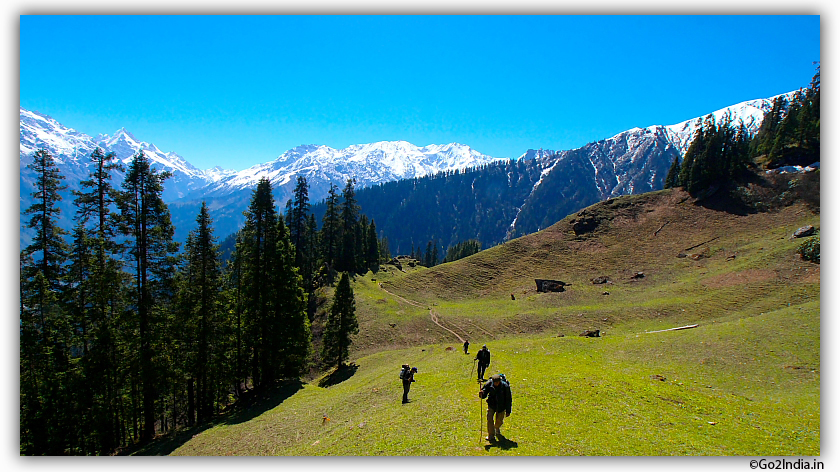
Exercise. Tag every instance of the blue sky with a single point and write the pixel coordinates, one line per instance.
(235, 91)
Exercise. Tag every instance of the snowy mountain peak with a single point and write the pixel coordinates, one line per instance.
(369, 164)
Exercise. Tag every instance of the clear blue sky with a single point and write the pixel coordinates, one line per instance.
(241, 90)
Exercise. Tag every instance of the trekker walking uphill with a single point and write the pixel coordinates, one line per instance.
(483, 357)
(466, 346)
(407, 376)
(499, 403)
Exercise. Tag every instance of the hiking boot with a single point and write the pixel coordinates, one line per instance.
(490, 438)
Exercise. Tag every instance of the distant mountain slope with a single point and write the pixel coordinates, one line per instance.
(523, 200)
(542, 189)
(71, 151)
(227, 192)
(370, 164)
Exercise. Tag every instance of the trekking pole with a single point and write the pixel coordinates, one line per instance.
(480, 423)
(480, 418)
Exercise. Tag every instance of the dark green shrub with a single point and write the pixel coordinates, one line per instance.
(810, 249)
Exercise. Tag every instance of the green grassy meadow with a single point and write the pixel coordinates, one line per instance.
(746, 381)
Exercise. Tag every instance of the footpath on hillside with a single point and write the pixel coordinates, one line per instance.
(434, 315)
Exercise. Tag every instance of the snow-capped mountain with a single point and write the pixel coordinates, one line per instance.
(71, 151)
(322, 166)
(369, 164)
(227, 192)
(632, 162)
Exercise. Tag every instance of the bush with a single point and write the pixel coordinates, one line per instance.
(810, 249)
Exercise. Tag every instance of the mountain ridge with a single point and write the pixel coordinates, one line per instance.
(633, 161)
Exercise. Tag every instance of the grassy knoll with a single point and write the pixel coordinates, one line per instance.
(745, 382)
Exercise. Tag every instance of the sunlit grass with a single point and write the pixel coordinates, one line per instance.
(746, 381)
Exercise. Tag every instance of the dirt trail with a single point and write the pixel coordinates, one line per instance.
(432, 313)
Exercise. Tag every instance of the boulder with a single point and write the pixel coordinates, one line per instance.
(804, 231)
(638, 275)
(601, 280)
(591, 333)
(544, 285)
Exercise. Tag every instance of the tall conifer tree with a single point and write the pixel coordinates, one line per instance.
(44, 354)
(349, 220)
(341, 324)
(146, 223)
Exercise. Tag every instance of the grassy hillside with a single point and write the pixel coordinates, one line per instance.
(746, 381)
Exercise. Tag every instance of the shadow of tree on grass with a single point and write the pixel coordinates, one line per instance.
(338, 375)
(250, 405)
(256, 402)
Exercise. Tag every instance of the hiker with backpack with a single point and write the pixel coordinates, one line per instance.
(466, 346)
(499, 403)
(407, 376)
(483, 357)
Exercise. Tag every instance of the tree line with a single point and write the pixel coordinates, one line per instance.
(721, 151)
(449, 207)
(123, 337)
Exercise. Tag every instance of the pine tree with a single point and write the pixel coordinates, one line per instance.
(361, 266)
(290, 317)
(372, 251)
(259, 250)
(331, 229)
(146, 223)
(384, 249)
(341, 324)
(672, 179)
(428, 262)
(462, 250)
(310, 269)
(235, 302)
(200, 294)
(78, 299)
(48, 241)
(44, 349)
(349, 220)
(275, 326)
(298, 220)
(105, 288)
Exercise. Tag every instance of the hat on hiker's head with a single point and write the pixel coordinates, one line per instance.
(485, 346)
(495, 377)
(414, 369)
